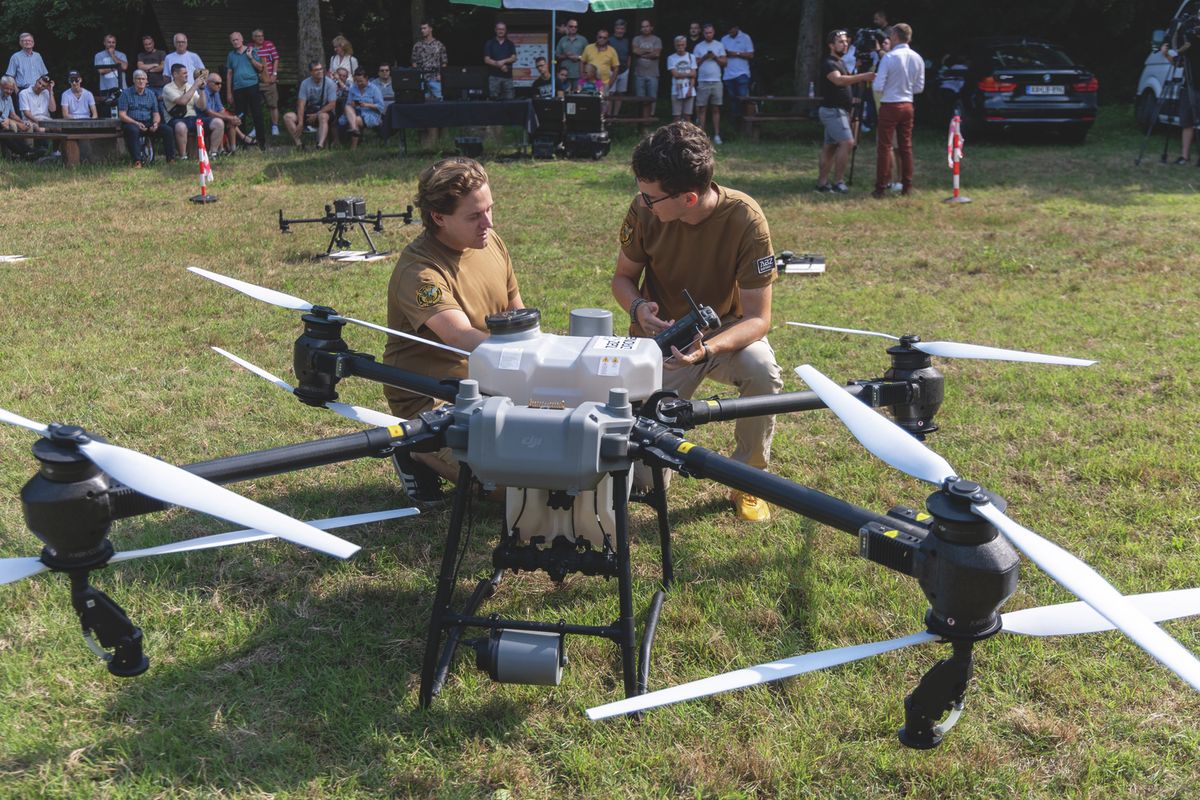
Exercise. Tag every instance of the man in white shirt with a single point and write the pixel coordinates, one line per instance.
(710, 57)
(182, 56)
(37, 102)
(901, 75)
(739, 49)
(77, 102)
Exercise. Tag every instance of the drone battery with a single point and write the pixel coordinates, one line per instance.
(594, 145)
(349, 207)
(533, 658)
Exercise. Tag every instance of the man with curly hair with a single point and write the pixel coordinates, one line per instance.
(684, 231)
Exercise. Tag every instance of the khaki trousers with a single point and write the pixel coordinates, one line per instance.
(753, 371)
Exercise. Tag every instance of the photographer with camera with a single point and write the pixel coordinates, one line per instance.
(837, 102)
(683, 231)
(1182, 50)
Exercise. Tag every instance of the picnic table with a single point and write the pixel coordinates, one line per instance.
(640, 106)
(757, 109)
(70, 132)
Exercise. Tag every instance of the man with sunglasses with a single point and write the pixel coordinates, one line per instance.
(683, 231)
(77, 102)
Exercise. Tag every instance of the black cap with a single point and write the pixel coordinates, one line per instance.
(72, 74)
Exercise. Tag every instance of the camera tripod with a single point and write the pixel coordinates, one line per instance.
(1184, 86)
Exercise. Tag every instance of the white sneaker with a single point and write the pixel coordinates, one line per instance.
(274, 130)
(717, 139)
(309, 129)
(897, 187)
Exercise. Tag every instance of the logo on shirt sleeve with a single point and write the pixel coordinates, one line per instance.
(428, 295)
(765, 264)
(628, 226)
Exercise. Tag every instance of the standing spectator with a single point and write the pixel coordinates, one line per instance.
(569, 52)
(695, 35)
(343, 56)
(181, 56)
(835, 82)
(37, 101)
(543, 84)
(242, 70)
(10, 120)
(364, 107)
(184, 101)
(682, 66)
(138, 111)
(604, 58)
(499, 54)
(620, 43)
(1182, 51)
(315, 101)
(215, 109)
(738, 52)
(901, 75)
(710, 57)
(111, 79)
(150, 61)
(268, 79)
(25, 66)
(77, 102)
(647, 47)
(429, 56)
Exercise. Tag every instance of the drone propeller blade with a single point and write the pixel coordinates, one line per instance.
(356, 413)
(960, 350)
(249, 535)
(257, 292)
(1066, 619)
(404, 335)
(843, 330)
(753, 676)
(1086, 584)
(17, 419)
(173, 485)
(14, 569)
(905, 453)
(883, 438)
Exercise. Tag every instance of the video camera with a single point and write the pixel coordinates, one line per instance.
(866, 41)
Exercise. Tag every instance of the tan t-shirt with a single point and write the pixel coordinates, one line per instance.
(728, 251)
(430, 278)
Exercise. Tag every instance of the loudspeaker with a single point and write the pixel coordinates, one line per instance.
(546, 145)
(464, 83)
(550, 115)
(583, 113)
(406, 79)
(593, 145)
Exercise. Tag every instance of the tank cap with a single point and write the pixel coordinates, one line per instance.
(515, 321)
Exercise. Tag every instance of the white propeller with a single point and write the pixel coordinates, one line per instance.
(1063, 619)
(297, 304)
(176, 486)
(960, 350)
(14, 569)
(896, 447)
(356, 413)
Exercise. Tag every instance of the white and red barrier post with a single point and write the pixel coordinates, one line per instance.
(206, 173)
(954, 153)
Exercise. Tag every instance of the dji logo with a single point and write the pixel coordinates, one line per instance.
(531, 441)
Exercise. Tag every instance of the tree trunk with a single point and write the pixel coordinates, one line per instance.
(808, 45)
(309, 39)
(416, 13)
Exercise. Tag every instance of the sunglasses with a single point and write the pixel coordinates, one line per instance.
(76, 80)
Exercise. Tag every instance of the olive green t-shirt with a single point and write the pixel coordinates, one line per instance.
(729, 250)
(430, 278)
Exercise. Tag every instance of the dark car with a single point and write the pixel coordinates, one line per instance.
(1020, 83)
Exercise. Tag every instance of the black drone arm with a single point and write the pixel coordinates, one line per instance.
(687, 414)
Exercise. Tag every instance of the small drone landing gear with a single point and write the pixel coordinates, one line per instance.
(941, 690)
(529, 652)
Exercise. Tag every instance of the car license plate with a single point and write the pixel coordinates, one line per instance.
(1045, 90)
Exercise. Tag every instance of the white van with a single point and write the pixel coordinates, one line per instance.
(1160, 81)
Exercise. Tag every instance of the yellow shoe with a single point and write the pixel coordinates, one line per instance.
(749, 507)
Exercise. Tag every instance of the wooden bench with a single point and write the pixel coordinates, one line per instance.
(641, 106)
(70, 141)
(771, 108)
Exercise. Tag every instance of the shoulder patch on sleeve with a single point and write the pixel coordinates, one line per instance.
(428, 295)
(766, 264)
(628, 226)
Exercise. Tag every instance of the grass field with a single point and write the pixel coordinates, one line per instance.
(278, 672)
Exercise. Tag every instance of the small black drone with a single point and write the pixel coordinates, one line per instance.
(345, 212)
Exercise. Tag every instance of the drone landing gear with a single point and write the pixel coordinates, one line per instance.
(446, 625)
(105, 625)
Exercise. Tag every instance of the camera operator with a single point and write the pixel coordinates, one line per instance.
(683, 231)
(837, 102)
(1182, 49)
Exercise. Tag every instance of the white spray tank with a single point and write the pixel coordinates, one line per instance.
(546, 370)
